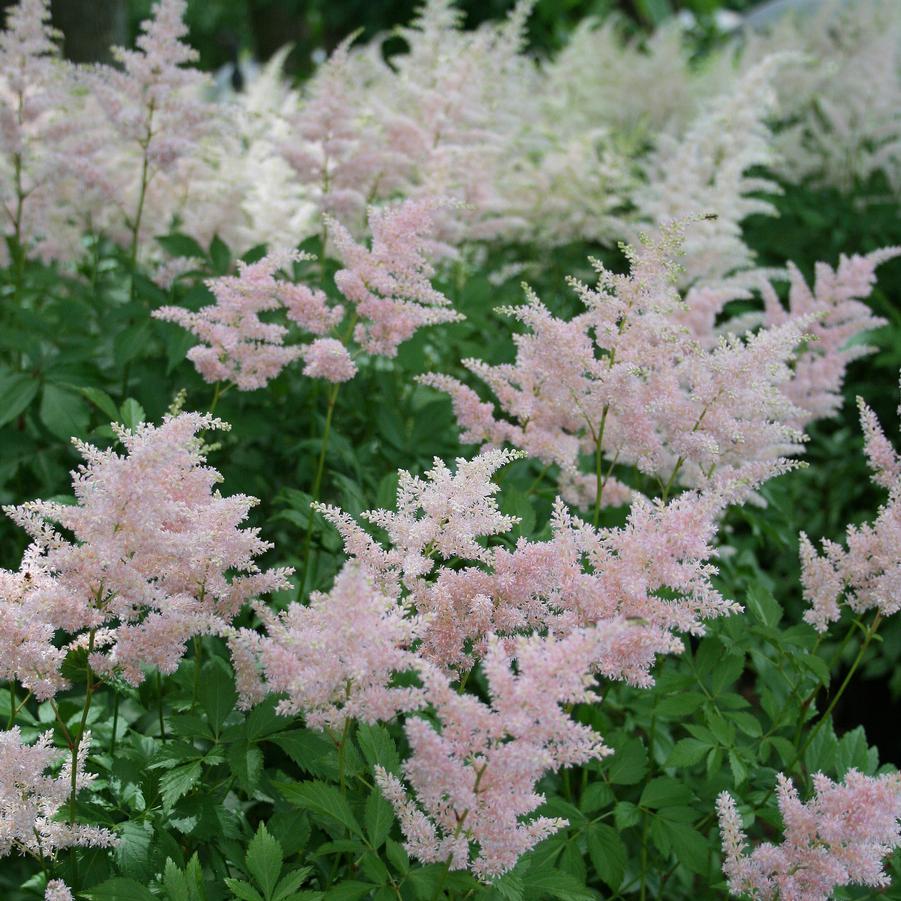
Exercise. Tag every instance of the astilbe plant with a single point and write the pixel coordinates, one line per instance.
(868, 574)
(840, 837)
(626, 383)
(31, 798)
(334, 659)
(474, 780)
(156, 556)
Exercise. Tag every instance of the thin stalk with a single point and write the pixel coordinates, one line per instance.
(198, 664)
(112, 744)
(342, 755)
(12, 703)
(75, 741)
(871, 633)
(599, 466)
(320, 469)
(159, 691)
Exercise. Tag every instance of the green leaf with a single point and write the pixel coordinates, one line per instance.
(687, 752)
(379, 818)
(689, 846)
(243, 890)
(220, 255)
(322, 799)
(680, 704)
(179, 245)
(290, 883)
(663, 792)
(217, 693)
(102, 401)
(628, 764)
(595, 797)
(63, 412)
(349, 890)
(119, 889)
(17, 391)
(179, 781)
(378, 747)
(311, 751)
(763, 605)
(608, 854)
(264, 861)
(131, 414)
(184, 885)
(133, 850)
(247, 765)
(557, 884)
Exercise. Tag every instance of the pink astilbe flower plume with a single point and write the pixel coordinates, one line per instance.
(472, 784)
(156, 113)
(156, 554)
(836, 314)
(627, 381)
(333, 660)
(868, 574)
(30, 799)
(389, 283)
(840, 837)
(57, 890)
(38, 117)
(238, 345)
(438, 557)
(444, 513)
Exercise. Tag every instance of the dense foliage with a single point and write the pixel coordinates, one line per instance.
(341, 564)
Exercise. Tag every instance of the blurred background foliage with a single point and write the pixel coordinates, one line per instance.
(223, 30)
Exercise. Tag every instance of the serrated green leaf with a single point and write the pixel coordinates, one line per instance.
(63, 412)
(17, 391)
(687, 752)
(628, 764)
(379, 818)
(243, 890)
(102, 401)
(217, 693)
(322, 799)
(264, 861)
(664, 792)
(608, 854)
(178, 781)
(118, 889)
(378, 747)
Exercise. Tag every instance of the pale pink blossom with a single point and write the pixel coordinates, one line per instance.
(840, 837)
(389, 283)
(627, 380)
(836, 314)
(654, 571)
(472, 784)
(329, 359)
(57, 890)
(334, 659)
(156, 553)
(239, 346)
(868, 574)
(30, 799)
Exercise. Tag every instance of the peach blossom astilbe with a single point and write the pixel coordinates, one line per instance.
(334, 659)
(156, 553)
(238, 345)
(36, 121)
(155, 111)
(27, 650)
(653, 572)
(627, 381)
(389, 283)
(868, 573)
(840, 837)
(837, 316)
(30, 799)
(472, 784)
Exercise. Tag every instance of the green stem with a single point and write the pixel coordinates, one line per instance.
(112, 744)
(342, 756)
(871, 633)
(317, 479)
(599, 466)
(75, 742)
(12, 703)
(159, 691)
(198, 664)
